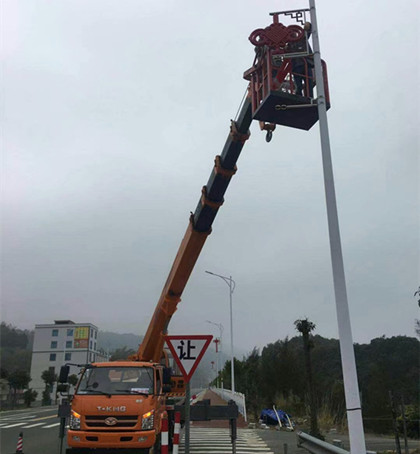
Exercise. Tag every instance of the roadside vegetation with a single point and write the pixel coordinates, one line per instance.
(278, 375)
(275, 375)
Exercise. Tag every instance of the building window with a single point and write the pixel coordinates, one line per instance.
(96, 334)
(94, 346)
(53, 356)
(53, 344)
(90, 345)
(67, 357)
(69, 344)
(70, 332)
(54, 333)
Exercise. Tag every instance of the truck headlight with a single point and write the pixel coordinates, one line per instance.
(74, 421)
(148, 420)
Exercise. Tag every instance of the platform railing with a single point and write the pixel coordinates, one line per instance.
(266, 77)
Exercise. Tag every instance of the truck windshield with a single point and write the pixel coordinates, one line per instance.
(116, 380)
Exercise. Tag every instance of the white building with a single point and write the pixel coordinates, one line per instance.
(60, 343)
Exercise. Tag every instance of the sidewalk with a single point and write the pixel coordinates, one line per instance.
(217, 400)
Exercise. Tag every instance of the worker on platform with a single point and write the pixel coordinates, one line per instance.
(303, 67)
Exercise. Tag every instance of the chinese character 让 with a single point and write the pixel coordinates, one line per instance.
(187, 354)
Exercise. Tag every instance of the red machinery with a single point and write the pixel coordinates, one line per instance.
(274, 77)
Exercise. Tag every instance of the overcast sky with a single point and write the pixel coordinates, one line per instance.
(113, 112)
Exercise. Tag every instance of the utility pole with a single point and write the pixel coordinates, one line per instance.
(351, 387)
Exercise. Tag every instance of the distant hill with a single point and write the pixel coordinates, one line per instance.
(110, 341)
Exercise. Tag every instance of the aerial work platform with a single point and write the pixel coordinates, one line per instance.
(287, 109)
(282, 80)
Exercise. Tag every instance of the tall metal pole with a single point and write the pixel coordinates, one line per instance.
(232, 369)
(187, 419)
(351, 387)
(231, 283)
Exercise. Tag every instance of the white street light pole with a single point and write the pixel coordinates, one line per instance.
(219, 351)
(231, 284)
(351, 388)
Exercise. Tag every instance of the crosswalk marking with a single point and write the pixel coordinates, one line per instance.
(52, 425)
(17, 417)
(218, 441)
(13, 425)
(25, 425)
(25, 420)
(33, 425)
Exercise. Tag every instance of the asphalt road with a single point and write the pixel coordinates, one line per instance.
(39, 426)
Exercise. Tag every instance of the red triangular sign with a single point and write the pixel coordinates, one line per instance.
(188, 351)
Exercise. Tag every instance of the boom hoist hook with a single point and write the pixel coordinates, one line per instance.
(269, 127)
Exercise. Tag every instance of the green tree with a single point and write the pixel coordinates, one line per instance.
(3, 372)
(14, 358)
(49, 378)
(73, 379)
(412, 421)
(250, 383)
(29, 396)
(122, 353)
(305, 327)
(417, 294)
(17, 380)
(278, 375)
(12, 337)
(384, 364)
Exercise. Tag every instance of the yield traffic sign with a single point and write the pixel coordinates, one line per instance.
(188, 351)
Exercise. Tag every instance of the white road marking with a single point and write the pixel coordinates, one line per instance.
(52, 425)
(217, 441)
(13, 425)
(17, 417)
(33, 425)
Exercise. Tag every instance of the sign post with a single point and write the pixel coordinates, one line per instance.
(187, 418)
(187, 352)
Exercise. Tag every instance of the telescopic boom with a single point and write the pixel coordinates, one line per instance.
(198, 229)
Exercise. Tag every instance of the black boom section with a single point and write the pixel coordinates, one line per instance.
(224, 169)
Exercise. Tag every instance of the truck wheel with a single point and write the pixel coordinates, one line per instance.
(156, 447)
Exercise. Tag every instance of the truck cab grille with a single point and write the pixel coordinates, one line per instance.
(111, 421)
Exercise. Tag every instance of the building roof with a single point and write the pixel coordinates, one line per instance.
(62, 323)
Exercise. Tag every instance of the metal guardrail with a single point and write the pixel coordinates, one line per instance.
(315, 446)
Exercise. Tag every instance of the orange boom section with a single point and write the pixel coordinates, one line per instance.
(189, 250)
(199, 228)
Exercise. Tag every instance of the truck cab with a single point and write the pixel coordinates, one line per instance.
(117, 405)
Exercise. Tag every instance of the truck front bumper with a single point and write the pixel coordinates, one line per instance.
(113, 440)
